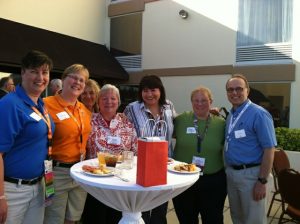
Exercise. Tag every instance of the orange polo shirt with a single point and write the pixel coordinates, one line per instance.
(69, 121)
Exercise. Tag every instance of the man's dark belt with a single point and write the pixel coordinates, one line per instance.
(21, 181)
(244, 166)
(65, 165)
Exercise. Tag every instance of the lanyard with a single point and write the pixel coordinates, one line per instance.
(80, 126)
(200, 136)
(231, 123)
(47, 120)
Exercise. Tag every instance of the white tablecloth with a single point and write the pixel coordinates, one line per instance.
(129, 197)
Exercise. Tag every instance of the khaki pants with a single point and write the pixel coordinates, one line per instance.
(25, 203)
(243, 209)
(68, 201)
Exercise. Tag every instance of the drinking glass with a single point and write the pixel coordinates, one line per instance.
(128, 157)
(101, 158)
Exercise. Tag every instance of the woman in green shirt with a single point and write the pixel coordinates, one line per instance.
(199, 139)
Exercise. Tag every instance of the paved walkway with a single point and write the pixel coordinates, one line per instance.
(273, 219)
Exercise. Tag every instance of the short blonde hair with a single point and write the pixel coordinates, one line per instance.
(202, 89)
(76, 68)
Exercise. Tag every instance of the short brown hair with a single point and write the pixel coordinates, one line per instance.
(239, 76)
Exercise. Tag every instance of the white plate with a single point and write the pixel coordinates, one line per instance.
(99, 175)
(171, 169)
(170, 161)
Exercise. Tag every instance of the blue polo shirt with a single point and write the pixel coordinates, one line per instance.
(253, 132)
(23, 138)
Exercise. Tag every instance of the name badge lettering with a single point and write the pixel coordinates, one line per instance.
(35, 116)
(62, 115)
(199, 162)
(114, 140)
(190, 130)
(240, 133)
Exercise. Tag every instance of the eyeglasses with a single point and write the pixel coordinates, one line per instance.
(75, 78)
(237, 89)
(201, 102)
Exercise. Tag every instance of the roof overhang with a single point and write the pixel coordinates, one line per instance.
(17, 39)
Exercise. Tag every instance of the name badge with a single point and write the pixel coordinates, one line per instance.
(114, 140)
(191, 130)
(62, 115)
(240, 133)
(35, 116)
(48, 180)
(199, 162)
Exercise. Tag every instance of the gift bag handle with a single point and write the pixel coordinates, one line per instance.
(145, 126)
(163, 129)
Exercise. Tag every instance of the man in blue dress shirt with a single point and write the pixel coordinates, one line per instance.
(249, 151)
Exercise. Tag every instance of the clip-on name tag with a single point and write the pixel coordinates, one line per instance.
(49, 186)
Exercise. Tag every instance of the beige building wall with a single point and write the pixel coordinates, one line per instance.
(205, 38)
(179, 88)
(84, 19)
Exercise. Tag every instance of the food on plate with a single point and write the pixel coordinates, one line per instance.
(185, 167)
(96, 169)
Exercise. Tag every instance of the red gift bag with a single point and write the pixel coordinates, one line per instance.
(152, 154)
(152, 160)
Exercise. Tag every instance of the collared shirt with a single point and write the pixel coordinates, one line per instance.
(69, 141)
(252, 134)
(138, 114)
(23, 138)
(119, 127)
(3, 92)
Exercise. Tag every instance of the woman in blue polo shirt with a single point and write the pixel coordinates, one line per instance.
(25, 134)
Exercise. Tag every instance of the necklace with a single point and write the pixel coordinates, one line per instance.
(200, 136)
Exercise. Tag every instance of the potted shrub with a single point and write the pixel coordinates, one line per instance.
(289, 140)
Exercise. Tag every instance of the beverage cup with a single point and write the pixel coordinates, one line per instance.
(101, 158)
(128, 158)
(111, 159)
(118, 170)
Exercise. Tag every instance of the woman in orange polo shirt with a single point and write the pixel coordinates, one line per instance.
(72, 120)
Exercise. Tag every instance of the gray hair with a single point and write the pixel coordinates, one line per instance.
(108, 87)
(56, 82)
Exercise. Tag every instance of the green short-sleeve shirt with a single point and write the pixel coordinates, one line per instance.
(212, 144)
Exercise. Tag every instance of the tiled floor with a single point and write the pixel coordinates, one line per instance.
(273, 219)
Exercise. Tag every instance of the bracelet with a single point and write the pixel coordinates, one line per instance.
(2, 197)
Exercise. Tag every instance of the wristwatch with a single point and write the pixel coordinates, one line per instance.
(262, 180)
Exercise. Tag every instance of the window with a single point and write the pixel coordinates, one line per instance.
(264, 30)
(126, 40)
(126, 35)
(264, 21)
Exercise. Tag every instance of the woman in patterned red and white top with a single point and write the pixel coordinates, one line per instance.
(111, 131)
